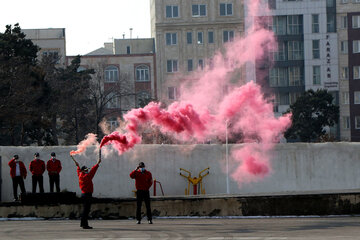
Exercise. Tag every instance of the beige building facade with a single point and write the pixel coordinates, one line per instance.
(187, 34)
(128, 80)
(342, 10)
(51, 42)
(348, 25)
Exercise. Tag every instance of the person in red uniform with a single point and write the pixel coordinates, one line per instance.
(37, 168)
(143, 181)
(18, 174)
(53, 167)
(87, 188)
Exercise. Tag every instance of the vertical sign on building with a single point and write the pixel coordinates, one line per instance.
(329, 83)
(328, 59)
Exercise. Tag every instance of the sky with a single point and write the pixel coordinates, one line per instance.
(88, 24)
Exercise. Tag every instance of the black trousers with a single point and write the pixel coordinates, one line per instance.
(16, 182)
(143, 195)
(54, 179)
(86, 198)
(35, 180)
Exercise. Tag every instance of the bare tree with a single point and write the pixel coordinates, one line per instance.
(110, 98)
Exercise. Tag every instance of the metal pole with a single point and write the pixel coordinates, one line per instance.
(154, 187)
(227, 159)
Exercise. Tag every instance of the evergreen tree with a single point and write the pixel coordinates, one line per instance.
(311, 113)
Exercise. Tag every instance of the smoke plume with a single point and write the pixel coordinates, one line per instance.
(218, 100)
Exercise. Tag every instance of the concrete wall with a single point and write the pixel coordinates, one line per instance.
(295, 168)
(278, 205)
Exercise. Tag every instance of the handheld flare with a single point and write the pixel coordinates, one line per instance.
(76, 163)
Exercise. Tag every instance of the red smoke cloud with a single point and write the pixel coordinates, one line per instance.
(180, 118)
(205, 107)
(122, 142)
(90, 139)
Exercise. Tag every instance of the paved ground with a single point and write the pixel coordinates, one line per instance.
(214, 229)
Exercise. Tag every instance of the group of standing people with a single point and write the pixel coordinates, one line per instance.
(37, 168)
(143, 182)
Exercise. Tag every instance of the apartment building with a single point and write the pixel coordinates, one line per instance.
(348, 27)
(187, 34)
(307, 55)
(51, 42)
(125, 71)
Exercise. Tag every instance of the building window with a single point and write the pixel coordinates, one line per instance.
(189, 65)
(128, 50)
(111, 74)
(226, 9)
(172, 93)
(279, 54)
(142, 99)
(295, 50)
(346, 122)
(295, 24)
(171, 66)
(343, 22)
(272, 4)
(112, 123)
(171, 38)
(356, 73)
(356, 21)
(278, 25)
(295, 76)
(316, 49)
(344, 1)
(356, 46)
(345, 97)
(356, 97)
(330, 22)
(228, 36)
(201, 64)
(293, 96)
(357, 122)
(344, 72)
(344, 47)
(316, 75)
(315, 23)
(284, 99)
(52, 55)
(198, 10)
(210, 63)
(189, 37)
(142, 73)
(210, 37)
(172, 11)
(113, 101)
(200, 38)
(330, 3)
(278, 77)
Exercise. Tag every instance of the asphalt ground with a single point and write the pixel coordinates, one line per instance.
(275, 228)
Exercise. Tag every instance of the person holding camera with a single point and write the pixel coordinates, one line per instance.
(18, 174)
(143, 181)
